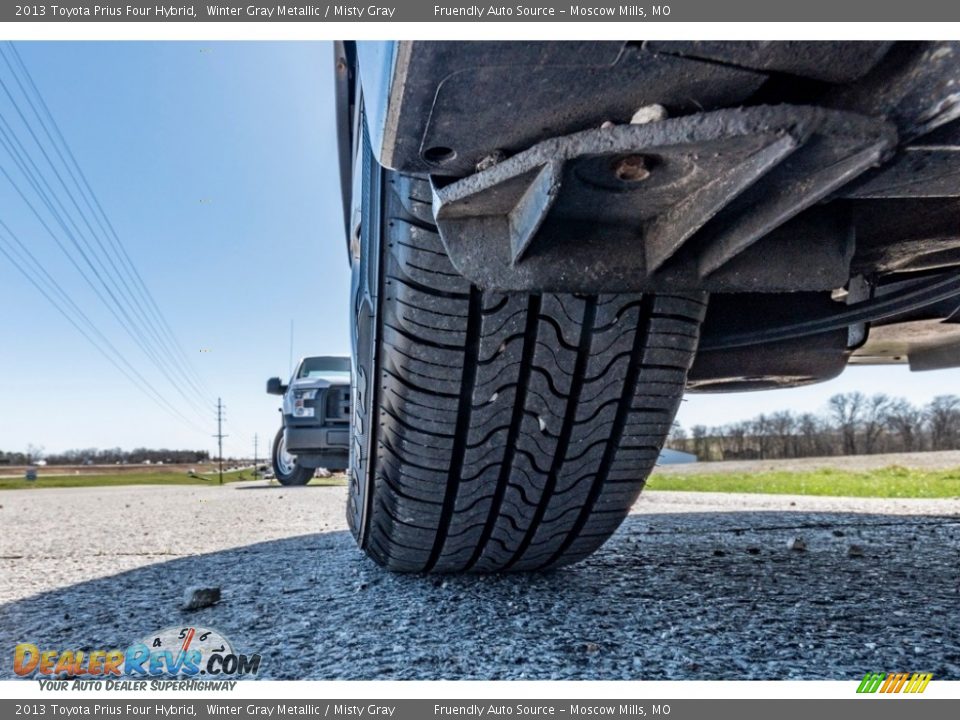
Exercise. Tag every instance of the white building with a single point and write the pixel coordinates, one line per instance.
(675, 457)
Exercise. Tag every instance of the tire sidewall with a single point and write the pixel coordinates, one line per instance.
(364, 308)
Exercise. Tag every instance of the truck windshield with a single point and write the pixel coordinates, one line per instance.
(314, 366)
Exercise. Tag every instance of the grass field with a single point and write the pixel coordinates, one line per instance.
(888, 482)
(141, 478)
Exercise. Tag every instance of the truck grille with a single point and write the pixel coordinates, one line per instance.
(338, 403)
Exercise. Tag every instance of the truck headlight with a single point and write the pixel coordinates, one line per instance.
(305, 394)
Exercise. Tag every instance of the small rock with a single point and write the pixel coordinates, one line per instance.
(838, 533)
(753, 550)
(718, 553)
(607, 124)
(797, 544)
(793, 504)
(324, 473)
(649, 114)
(855, 551)
(195, 598)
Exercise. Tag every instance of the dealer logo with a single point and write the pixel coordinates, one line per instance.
(189, 652)
(894, 682)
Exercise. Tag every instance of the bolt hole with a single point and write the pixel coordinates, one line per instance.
(438, 154)
(633, 168)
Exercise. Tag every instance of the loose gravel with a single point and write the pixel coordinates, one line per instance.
(693, 586)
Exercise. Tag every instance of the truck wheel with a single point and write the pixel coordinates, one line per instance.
(497, 432)
(285, 466)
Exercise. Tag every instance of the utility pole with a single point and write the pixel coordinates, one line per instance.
(220, 436)
(256, 474)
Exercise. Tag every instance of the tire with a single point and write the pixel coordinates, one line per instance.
(497, 432)
(288, 472)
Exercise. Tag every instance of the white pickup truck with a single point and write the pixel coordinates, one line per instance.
(315, 431)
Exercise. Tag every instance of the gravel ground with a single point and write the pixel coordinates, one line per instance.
(694, 586)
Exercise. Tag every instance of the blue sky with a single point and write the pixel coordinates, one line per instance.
(216, 164)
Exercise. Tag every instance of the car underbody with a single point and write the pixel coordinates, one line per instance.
(811, 187)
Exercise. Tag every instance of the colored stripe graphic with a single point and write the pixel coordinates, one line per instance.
(894, 682)
(918, 683)
(870, 683)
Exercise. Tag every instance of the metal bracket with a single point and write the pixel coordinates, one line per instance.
(921, 294)
(666, 204)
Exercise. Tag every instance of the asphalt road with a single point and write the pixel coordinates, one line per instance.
(692, 587)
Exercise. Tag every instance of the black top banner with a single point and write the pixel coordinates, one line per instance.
(535, 11)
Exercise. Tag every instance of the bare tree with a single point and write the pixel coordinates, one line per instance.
(761, 431)
(847, 410)
(701, 447)
(943, 416)
(853, 424)
(817, 437)
(34, 453)
(677, 439)
(906, 422)
(874, 421)
(738, 433)
(782, 426)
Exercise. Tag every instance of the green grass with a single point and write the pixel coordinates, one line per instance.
(888, 482)
(138, 478)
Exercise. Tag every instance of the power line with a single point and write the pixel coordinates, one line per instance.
(137, 338)
(35, 178)
(165, 335)
(24, 163)
(93, 248)
(132, 375)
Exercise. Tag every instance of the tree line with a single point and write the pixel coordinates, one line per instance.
(853, 424)
(96, 456)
